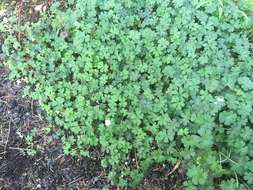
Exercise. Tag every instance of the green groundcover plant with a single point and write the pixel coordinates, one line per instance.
(146, 82)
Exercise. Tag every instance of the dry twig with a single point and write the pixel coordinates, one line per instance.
(174, 168)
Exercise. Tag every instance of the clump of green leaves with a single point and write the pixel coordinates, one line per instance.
(146, 81)
(29, 140)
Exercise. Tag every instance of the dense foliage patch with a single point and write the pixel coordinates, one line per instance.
(146, 81)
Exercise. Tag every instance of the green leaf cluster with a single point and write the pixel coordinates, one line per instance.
(146, 82)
